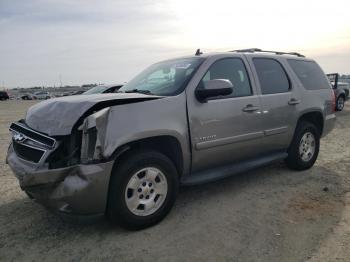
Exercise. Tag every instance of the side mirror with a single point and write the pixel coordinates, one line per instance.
(212, 88)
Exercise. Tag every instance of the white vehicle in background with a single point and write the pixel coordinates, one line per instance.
(41, 95)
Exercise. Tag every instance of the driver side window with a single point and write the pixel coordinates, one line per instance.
(231, 69)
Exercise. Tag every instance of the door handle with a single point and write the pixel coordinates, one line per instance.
(293, 101)
(250, 108)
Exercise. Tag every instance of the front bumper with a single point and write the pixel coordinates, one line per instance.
(76, 190)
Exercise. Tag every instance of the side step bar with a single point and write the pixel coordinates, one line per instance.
(230, 170)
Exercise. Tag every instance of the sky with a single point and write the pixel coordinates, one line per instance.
(44, 43)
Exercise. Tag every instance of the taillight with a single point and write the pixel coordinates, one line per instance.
(333, 102)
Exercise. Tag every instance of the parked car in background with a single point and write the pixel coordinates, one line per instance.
(41, 95)
(183, 121)
(341, 90)
(4, 95)
(346, 87)
(78, 92)
(66, 93)
(103, 89)
(27, 96)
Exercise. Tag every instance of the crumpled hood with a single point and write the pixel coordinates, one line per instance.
(57, 116)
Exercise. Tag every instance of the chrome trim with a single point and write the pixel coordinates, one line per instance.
(31, 130)
(276, 131)
(38, 145)
(27, 138)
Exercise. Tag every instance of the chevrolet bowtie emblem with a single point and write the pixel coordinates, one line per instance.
(19, 137)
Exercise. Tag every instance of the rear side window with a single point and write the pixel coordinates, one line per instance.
(272, 77)
(309, 74)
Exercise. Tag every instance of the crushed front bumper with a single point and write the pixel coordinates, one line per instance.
(76, 190)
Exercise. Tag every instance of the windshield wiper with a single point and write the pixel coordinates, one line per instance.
(140, 91)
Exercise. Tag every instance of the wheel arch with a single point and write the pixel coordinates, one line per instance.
(315, 117)
(168, 145)
(341, 94)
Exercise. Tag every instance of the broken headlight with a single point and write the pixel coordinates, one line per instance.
(93, 135)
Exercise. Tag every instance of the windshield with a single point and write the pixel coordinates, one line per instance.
(164, 78)
(96, 90)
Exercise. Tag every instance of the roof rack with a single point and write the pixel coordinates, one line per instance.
(253, 50)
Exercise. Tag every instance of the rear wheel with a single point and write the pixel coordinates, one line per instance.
(340, 103)
(142, 189)
(304, 148)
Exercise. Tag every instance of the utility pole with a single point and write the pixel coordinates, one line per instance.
(60, 77)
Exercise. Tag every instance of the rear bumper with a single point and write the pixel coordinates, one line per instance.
(79, 190)
(329, 124)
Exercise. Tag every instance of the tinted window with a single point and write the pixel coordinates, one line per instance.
(272, 77)
(309, 74)
(232, 69)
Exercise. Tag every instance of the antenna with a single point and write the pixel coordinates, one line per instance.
(198, 52)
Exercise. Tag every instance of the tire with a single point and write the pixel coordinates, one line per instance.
(299, 157)
(129, 175)
(340, 103)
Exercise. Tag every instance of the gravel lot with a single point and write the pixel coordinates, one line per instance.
(270, 214)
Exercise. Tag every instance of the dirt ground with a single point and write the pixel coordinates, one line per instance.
(270, 214)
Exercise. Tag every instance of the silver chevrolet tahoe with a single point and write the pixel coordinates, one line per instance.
(183, 121)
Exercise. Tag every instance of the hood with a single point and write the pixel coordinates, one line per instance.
(57, 116)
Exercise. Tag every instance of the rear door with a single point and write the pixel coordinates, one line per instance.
(224, 129)
(279, 102)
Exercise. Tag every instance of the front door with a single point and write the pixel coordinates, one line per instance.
(225, 129)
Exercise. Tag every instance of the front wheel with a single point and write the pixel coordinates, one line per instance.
(142, 189)
(304, 148)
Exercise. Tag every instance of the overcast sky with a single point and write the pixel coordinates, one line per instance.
(88, 41)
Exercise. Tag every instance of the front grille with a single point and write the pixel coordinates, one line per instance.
(28, 153)
(29, 144)
(33, 135)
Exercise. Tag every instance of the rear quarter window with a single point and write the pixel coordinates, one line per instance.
(310, 74)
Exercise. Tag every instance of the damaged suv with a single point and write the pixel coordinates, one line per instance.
(183, 121)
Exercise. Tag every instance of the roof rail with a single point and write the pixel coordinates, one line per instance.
(253, 50)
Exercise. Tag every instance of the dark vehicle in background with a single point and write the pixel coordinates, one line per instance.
(27, 97)
(79, 92)
(4, 95)
(73, 93)
(341, 91)
(104, 89)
